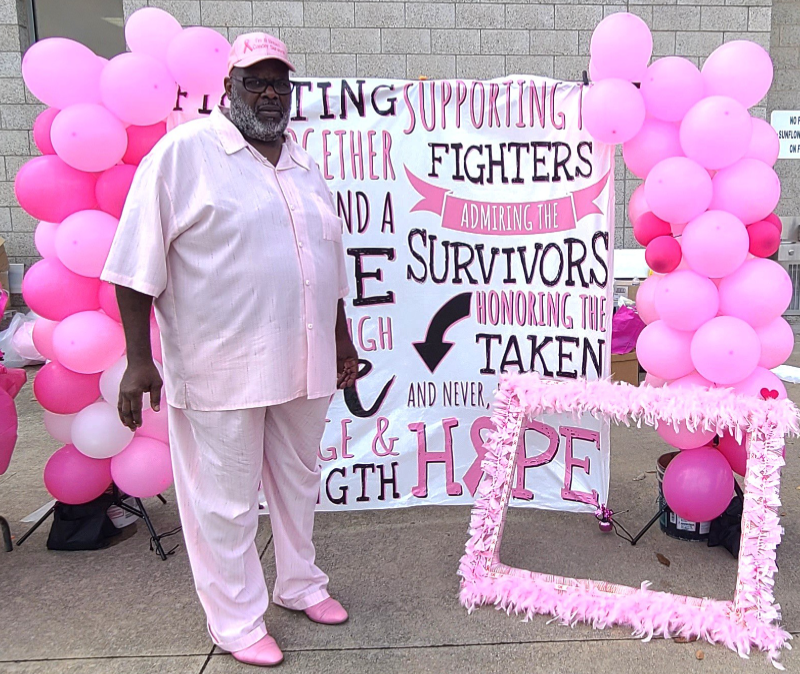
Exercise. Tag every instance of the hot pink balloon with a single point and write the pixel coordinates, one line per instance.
(142, 139)
(88, 137)
(758, 292)
(663, 254)
(637, 205)
(54, 292)
(698, 484)
(716, 132)
(665, 352)
(715, 244)
(657, 140)
(63, 391)
(43, 337)
(45, 238)
(765, 240)
(107, 297)
(777, 343)
(154, 425)
(73, 478)
(683, 438)
(113, 187)
(749, 189)
(138, 89)
(671, 87)
(735, 453)
(739, 69)
(150, 30)
(88, 342)
(645, 299)
(775, 221)
(198, 59)
(143, 469)
(726, 350)
(613, 111)
(685, 300)
(62, 72)
(49, 189)
(761, 382)
(764, 143)
(621, 47)
(41, 130)
(649, 227)
(83, 241)
(678, 189)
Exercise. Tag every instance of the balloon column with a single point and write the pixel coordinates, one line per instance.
(705, 215)
(103, 118)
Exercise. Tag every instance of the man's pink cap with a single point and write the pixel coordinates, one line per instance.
(251, 48)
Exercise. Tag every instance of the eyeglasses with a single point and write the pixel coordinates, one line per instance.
(258, 85)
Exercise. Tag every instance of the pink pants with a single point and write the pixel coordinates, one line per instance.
(218, 459)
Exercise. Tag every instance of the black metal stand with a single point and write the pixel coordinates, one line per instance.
(7, 544)
(647, 526)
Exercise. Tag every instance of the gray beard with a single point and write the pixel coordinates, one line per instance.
(244, 118)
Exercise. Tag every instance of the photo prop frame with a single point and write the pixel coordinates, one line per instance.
(750, 620)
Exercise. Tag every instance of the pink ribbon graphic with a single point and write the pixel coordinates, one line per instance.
(507, 218)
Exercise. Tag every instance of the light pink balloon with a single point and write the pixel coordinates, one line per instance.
(83, 241)
(88, 137)
(646, 299)
(143, 469)
(62, 72)
(725, 350)
(685, 300)
(637, 205)
(138, 89)
(45, 238)
(698, 484)
(142, 139)
(54, 292)
(760, 382)
(683, 438)
(98, 433)
(613, 111)
(735, 453)
(59, 426)
(694, 380)
(150, 30)
(43, 337)
(716, 132)
(73, 478)
(155, 342)
(107, 296)
(198, 59)
(665, 352)
(111, 379)
(113, 187)
(764, 144)
(678, 189)
(740, 69)
(154, 425)
(656, 141)
(88, 342)
(63, 391)
(777, 343)
(48, 189)
(621, 47)
(671, 87)
(41, 130)
(655, 382)
(715, 244)
(758, 292)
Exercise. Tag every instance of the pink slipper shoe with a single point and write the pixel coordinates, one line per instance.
(327, 612)
(263, 653)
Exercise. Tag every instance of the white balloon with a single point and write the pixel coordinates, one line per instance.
(111, 378)
(98, 433)
(59, 426)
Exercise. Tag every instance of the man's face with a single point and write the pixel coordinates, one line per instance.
(258, 115)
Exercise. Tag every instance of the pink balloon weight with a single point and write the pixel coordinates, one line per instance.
(760, 382)
(725, 350)
(663, 254)
(678, 189)
(715, 244)
(113, 187)
(138, 89)
(88, 342)
(716, 132)
(45, 238)
(645, 299)
(694, 380)
(758, 292)
(683, 438)
(41, 130)
(698, 484)
(83, 241)
(107, 296)
(671, 87)
(62, 391)
(150, 30)
(62, 72)
(649, 227)
(198, 59)
(621, 47)
(637, 205)
(765, 240)
(142, 139)
(49, 189)
(657, 140)
(54, 292)
(749, 189)
(154, 425)
(764, 144)
(88, 137)
(74, 478)
(739, 69)
(613, 111)
(735, 453)
(777, 343)
(43, 337)
(664, 352)
(143, 469)
(685, 300)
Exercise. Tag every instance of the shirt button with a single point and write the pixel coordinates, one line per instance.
(300, 245)
(310, 326)
(308, 283)
(291, 207)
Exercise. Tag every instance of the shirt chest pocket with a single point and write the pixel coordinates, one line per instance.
(331, 228)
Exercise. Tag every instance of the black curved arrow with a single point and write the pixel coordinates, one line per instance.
(434, 348)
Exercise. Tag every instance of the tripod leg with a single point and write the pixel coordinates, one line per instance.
(35, 526)
(162, 499)
(7, 544)
(648, 525)
(153, 535)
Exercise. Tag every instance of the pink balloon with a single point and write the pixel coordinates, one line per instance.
(715, 244)
(649, 227)
(88, 342)
(62, 72)
(765, 240)
(198, 59)
(621, 47)
(150, 30)
(760, 382)
(657, 140)
(645, 299)
(716, 132)
(698, 484)
(43, 337)
(45, 238)
(155, 342)
(683, 438)
(138, 89)
(664, 352)
(41, 130)
(62, 391)
(740, 69)
(694, 380)
(685, 300)
(154, 425)
(735, 453)
(83, 241)
(54, 292)
(613, 111)
(671, 87)
(637, 205)
(107, 297)
(113, 187)
(142, 139)
(725, 350)
(678, 189)
(143, 469)
(749, 189)
(777, 343)
(663, 254)
(49, 189)
(59, 426)
(758, 292)
(73, 478)
(88, 137)
(764, 143)
(655, 382)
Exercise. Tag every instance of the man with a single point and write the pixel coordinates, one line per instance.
(230, 226)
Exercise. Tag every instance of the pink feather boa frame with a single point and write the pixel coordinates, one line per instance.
(750, 620)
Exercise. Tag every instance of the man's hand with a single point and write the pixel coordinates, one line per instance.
(138, 380)
(346, 362)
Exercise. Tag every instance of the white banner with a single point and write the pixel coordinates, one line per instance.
(479, 230)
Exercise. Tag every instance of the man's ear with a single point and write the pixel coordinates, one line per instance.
(228, 85)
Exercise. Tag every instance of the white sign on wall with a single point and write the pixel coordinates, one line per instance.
(787, 124)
